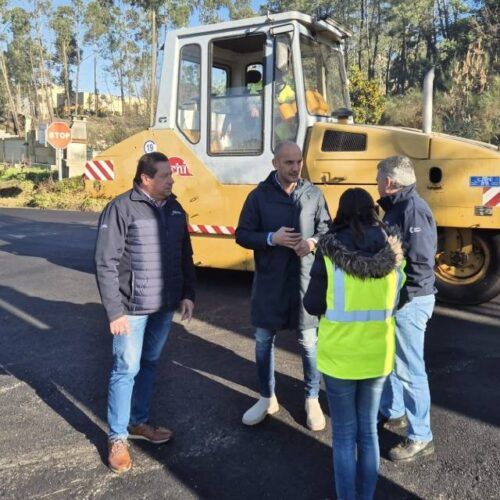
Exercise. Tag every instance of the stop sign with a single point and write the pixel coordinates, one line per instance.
(58, 135)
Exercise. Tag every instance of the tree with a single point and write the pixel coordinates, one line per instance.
(22, 62)
(488, 25)
(42, 8)
(122, 40)
(3, 66)
(152, 7)
(63, 23)
(136, 56)
(96, 19)
(395, 41)
(79, 13)
(175, 14)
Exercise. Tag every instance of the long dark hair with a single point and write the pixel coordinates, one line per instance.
(356, 211)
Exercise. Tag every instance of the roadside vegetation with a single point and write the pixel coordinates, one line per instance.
(103, 132)
(37, 187)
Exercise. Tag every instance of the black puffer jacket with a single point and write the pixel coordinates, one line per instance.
(375, 256)
(413, 216)
(143, 257)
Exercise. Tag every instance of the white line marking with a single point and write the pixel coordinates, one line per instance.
(88, 413)
(10, 388)
(468, 316)
(228, 383)
(24, 316)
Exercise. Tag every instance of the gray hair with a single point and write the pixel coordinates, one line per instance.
(281, 145)
(398, 168)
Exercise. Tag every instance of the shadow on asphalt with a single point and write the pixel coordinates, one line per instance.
(29, 238)
(467, 383)
(67, 363)
(471, 376)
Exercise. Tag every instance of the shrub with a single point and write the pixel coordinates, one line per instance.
(104, 132)
(488, 113)
(404, 110)
(35, 188)
(69, 185)
(477, 117)
(35, 174)
(93, 204)
(367, 99)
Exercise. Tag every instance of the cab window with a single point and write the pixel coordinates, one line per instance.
(321, 66)
(236, 109)
(220, 81)
(189, 92)
(285, 116)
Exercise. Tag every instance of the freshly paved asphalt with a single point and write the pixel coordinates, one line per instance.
(55, 356)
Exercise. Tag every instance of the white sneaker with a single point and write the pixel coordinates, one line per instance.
(259, 411)
(315, 418)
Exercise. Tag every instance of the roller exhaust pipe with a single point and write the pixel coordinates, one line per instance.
(427, 111)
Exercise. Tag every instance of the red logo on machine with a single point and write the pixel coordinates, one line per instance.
(179, 167)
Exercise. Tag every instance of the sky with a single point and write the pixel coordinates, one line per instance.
(105, 82)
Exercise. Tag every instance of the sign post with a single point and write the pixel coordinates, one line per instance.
(59, 137)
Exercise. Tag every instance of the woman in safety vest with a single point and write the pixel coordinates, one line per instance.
(354, 288)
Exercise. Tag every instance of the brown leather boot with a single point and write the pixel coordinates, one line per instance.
(155, 435)
(119, 459)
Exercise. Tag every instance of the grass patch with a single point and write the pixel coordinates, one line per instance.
(38, 188)
(19, 174)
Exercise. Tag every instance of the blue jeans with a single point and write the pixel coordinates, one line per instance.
(132, 377)
(356, 457)
(407, 388)
(264, 356)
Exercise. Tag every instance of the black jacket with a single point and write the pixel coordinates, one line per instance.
(411, 214)
(143, 256)
(374, 257)
(281, 277)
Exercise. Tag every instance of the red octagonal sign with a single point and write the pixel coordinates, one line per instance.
(58, 135)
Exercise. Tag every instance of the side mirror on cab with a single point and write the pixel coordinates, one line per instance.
(282, 56)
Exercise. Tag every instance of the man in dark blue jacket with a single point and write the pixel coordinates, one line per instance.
(281, 222)
(406, 398)
(145, 271)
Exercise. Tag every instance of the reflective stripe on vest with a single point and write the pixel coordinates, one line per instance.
(336, 298)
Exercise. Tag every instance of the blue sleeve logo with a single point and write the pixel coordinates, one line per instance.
(484, 181)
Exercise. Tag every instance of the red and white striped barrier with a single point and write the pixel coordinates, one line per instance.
(491, 197)
(206, 229)
(100, 170)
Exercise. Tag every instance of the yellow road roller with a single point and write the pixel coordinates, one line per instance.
(229, 92)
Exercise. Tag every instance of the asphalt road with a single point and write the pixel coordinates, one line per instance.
(55, 355)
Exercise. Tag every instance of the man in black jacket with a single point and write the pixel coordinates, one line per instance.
(406, 398)
(281, 221)
(145, 271)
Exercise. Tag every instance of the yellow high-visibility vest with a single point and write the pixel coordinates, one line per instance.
(286, 94)
(356, 336)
